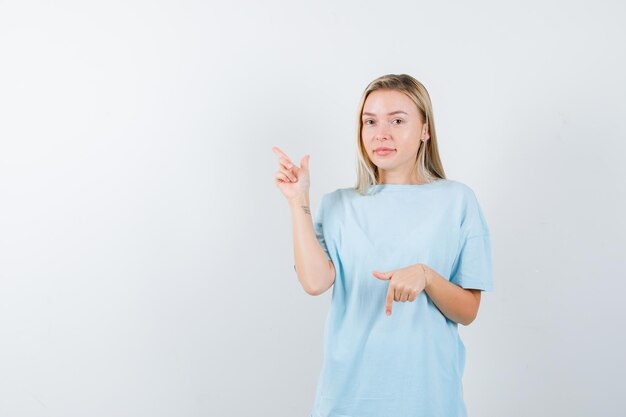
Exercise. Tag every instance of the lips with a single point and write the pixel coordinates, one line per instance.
(383, 151)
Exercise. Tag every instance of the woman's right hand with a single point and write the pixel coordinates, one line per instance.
(291, 180)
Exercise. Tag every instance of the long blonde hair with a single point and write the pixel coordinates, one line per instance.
(427, 163)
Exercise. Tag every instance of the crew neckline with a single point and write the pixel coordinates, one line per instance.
(403, 187)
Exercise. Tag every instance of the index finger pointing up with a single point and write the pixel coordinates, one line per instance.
(277, 151)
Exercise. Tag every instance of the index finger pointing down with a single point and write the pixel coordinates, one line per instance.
(389, 300)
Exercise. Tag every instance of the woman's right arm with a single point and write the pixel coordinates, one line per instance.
(315, 271)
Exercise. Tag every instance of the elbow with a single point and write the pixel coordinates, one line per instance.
(321, 286)
(315, 290)
(467, 322)
(470, 319)
(311, 290)
(471, 315)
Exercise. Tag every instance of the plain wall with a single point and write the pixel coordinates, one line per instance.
(146, 258)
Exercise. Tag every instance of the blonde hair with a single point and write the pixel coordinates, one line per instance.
(427, 163)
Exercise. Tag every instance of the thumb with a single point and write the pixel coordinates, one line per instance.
(382, 275)
(304, 162)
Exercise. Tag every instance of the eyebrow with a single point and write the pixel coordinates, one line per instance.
(388, 114)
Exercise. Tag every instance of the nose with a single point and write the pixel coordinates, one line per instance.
(382, 132)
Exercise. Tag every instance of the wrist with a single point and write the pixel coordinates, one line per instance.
(427, 276)
(299, 201)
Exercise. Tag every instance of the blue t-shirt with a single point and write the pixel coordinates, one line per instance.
(408, 364)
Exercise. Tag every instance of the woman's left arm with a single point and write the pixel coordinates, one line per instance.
(458, 304)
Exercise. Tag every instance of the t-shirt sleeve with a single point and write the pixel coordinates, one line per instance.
(318, 225)
(473, 266)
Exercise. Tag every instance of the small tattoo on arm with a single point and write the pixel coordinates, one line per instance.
(306, 209)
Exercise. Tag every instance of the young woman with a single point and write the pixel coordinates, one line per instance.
(408, 252)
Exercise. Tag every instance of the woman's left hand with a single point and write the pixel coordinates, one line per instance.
(405, 284)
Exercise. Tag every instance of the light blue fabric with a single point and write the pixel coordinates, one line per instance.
(409, 364)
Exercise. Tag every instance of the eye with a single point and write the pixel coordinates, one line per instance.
(366, 121)
(399, 120)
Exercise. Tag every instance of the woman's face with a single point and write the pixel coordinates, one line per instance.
(391, 120)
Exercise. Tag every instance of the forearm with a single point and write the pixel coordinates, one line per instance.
(456, 303)
(311, 265)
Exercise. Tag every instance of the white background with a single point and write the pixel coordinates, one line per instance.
(146, 260)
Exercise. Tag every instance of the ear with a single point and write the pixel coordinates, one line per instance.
(425, 133)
